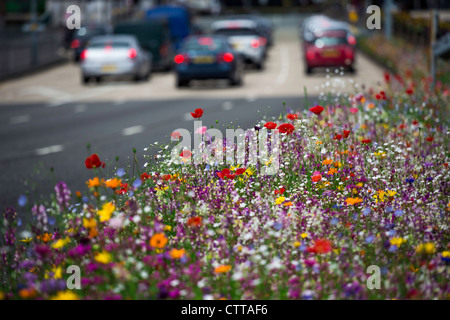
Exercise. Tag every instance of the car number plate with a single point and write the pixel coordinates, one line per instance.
(203, 59)
(109, 68)
(330, 54)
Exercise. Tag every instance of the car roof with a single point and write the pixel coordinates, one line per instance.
(234, 23)
(121, 37)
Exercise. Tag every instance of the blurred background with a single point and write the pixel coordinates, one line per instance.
(136, 69)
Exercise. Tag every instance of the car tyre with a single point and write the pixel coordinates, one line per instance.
(308, 70)
(84, 80)
(181, 83)
(259, 65)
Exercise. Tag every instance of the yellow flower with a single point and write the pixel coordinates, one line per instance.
(103, 257)
(222, 269)
(304, 235)
(60, 243)
(167, 228)
(89, 223)
(380, 154)
(65, 295)
(106, 211)
(327, 161)
(96, 182)
(446, 254)
(158, 240)
(2, 295)
(113, 183)
(391, 193)
(280, 200)
(249, 172)
(162, 188)
(26, 240)
(177, 254)
(397, 241)
(351, 201)
(426, 248)
(57, 273)
(297, 244)
(337, 164)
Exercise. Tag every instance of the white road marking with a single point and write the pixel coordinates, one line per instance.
(132, 130)
(46, 91)
(78, 97)
(80, 108)
(48, 150)
(284, 70)
(227, 105)
(251, 97)
(20, 119)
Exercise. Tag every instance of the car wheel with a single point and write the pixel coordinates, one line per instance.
(84, 80)
(236, 81)
(98, 79)
(182, 83)
(259, 65)
(351, 69)
(308, 70)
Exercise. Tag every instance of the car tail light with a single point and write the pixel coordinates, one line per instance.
(132, 53)
(225, 57)
(181, 58)
(351, 40)
(255, 43)
(310, 54)
(262, 41)
(83, 54)
(75, 44)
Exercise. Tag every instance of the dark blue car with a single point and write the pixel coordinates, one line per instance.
(208, 57)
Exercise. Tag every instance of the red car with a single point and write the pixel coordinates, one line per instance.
(330, 48)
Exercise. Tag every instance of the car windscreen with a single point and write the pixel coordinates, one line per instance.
(112, 44)
(329, 41)
(205, 43)
(236, 32)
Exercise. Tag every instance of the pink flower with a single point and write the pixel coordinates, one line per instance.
(201, 130)
(353, 110)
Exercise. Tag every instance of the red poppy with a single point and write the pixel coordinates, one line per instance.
(270, 125)
(366, 141)
(409, 91)
(280, 191)
(195, 221)
(93, 161)
(230, 176)
(292, 116)
(185, 154)
(316, 177)
(240, 171)
(175, 135)
(338, 137)
(415, 122)
(223, 173)
(320, 246)
(430, 139)
(387, 77)
(145, 176)
(166, 177)
(317, 109)
(402, 126)
(197, 113)
(446, 164)
(286, 128)
(123, 188)
(346, 133)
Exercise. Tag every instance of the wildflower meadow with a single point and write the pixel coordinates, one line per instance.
(358, 209)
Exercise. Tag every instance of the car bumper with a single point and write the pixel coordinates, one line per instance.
(192, 72)
(93, 69)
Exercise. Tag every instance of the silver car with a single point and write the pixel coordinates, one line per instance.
(118, 55)
(245, 38)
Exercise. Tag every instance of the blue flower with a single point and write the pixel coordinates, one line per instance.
(334, 221)
(22, 200)
(398, 213)
(393, 248)
(366, 211)
(51, 221)
(410, 180)
(120, 172)
(137, 183)
(370, 239)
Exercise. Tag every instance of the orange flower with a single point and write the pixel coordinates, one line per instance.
(96, 182)
(287, 204)
(320, 246)
(195, 221)
(316, 177)
(45, 237)
(222, 269)
(28, 293)
(113, 183)
(177, 254)
(327, 161)
(159, 240)
(332, 171)
(351, 201)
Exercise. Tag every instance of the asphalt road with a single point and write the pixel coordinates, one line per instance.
(48, 118)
